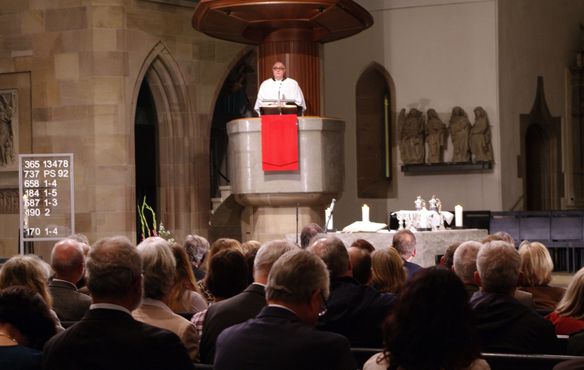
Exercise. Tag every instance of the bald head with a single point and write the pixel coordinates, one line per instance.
(67, 260)
(405, 243)
(334, 254)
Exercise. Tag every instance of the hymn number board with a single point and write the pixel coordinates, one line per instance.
(46, 197)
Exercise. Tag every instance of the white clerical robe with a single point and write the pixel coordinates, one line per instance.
(287, 89)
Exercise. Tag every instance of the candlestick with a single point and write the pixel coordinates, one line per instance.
(328, 218)
(424, 218)
(365, 213)
(458, 216)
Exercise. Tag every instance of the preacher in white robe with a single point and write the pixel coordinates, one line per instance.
(286, 89)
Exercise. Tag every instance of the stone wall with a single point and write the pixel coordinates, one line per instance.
(86, 61)
(437, 57)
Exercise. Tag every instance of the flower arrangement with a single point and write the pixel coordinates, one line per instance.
(146, 231)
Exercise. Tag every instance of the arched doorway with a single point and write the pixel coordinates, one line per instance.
(541, 164)
(375, 158)
(171, 153)
(537, 177)
(146, 154)
(235, 100)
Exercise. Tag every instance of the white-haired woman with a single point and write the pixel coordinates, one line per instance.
(159, 268)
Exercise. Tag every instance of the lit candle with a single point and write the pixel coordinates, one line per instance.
(328, 218)
(365, 213)
(458, 216)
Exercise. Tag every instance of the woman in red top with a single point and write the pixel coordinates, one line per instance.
(569, 315)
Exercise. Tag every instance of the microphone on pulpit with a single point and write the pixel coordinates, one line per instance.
(330, 215)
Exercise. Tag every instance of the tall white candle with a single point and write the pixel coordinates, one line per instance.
(458, 216)
(365, 213)
(424, 218)
(328, 217)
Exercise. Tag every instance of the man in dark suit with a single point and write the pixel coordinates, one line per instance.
(245, 305)
(108, 337)
(404, 241)
(282, 336)
(353, 310)
(503, 323)
(68, 262)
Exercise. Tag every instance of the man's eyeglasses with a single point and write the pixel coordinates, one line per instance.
(279, 68)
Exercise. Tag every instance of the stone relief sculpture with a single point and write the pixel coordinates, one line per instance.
(411, 136)
(7, 107)
(435, 137)
(459, 129)
(480, 137)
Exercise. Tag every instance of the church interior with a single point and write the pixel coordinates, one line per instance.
(141, 91)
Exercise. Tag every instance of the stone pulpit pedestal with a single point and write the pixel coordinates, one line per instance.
(279, 203)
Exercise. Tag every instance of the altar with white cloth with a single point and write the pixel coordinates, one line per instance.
(429, 244)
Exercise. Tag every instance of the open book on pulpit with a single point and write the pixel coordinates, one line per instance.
(275, 106)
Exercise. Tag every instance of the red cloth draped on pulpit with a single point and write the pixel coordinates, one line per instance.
(279, 142)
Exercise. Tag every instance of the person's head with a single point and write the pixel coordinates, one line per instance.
(536, 264)
(196, 247)
(68, 260)
(364, 245)
(227, 275)
(223, 244)
(431, 114)
(387, 270)
(404, 241)
(447, 259)
(498, 267)
(458, 111)
(267, 255)
(184, 279)
(25, 316)
(250, 249)
(465, 261)
(299, 280)
(308, 232)
(158, 267)
(480, 112)
(360, 264)
(81, 238)
(115, 272)
(437, 301)
(185, 276)
(572, 303)
(28, 271)
(279, 70)
(333, 252)
(499, 235)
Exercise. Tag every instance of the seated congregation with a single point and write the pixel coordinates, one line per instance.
(320, 305)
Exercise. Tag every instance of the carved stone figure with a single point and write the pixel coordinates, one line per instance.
(435, 137)
(411, 136)
(6, 135)
(459, 128)
(480, 137)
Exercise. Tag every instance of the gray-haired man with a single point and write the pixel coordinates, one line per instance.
(282, 336)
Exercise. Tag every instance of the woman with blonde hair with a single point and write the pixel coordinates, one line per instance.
(387, 270)
(536, 274)
(568, 316)
(184, 296)
(31, 272)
